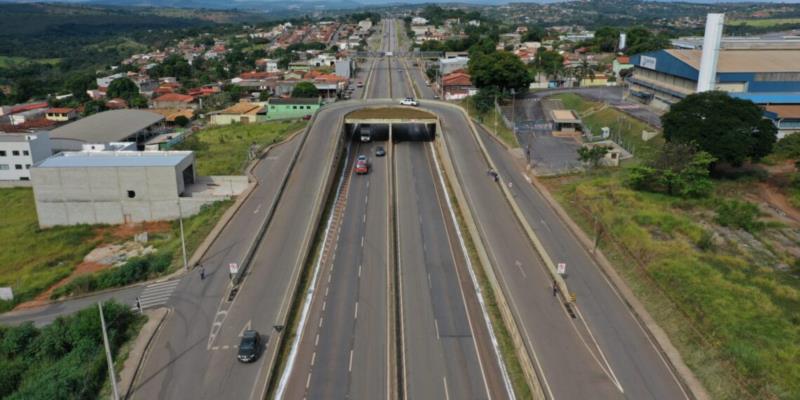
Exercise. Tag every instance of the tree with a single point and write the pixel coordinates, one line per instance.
(305, 89)
(483, 101)
(93, 107)
(592, 155)
(640, 40)
(678, 170)
(730, 129)
(182, 121)
(499, 69)
(606, 39)
(79, 83)
(550, 62)
(123, 88)
(584, 70)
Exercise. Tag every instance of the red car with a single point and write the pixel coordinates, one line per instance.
(362, 168)
(307, 117)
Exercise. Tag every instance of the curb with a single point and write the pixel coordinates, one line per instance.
(645, 320)
(127, 391)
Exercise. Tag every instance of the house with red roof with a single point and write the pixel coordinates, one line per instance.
(457, 85)
(174, 100)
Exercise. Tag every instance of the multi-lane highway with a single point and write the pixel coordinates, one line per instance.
(347, 349)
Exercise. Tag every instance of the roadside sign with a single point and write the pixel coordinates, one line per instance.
(562, 268)
(234, 267)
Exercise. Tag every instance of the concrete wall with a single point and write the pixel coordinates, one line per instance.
(80, 195)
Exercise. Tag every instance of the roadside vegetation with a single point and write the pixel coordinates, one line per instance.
(66, 359)
(492, 120)
(625, 130)
(34, 259)
(225, 150)
(701, 236)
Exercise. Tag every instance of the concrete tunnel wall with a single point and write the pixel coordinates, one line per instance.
(414, 132)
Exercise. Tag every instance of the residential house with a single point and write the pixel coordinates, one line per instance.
(449, 65)
(61, 114)
(419, 21)
(292, 108)
(457, 85)
(620, 63)
(267, 65)
(174, 100)
(240, 113)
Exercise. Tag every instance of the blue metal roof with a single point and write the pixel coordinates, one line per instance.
(770, 98)
(78, 159)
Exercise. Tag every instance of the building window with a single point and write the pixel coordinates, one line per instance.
(17, 166)
(294, 107)
(26, 153)
(131, 194)
(15, 153)
(3, 167)
(27, 166)
(2, 153)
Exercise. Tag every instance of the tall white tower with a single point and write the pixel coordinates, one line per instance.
(623, 39)
(711, 44)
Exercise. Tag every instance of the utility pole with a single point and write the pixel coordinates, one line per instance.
(495, 114)
(513, 111)
(108, 353)
(183, 238)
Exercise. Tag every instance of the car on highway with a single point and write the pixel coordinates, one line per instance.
(360, 84)
(380, 151)
(408, 101)
(249, 346)
(361, 168)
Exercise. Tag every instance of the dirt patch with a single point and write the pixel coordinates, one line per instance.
(106, 255)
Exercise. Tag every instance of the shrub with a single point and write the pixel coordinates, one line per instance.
(135, 270)
(788, 147)
(739, 214)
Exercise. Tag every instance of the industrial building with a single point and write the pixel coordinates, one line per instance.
(105, 127)
(113, 187)
(767, 75)
(19, 151)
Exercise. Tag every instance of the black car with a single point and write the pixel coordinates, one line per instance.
(380, 152)
(248, 347)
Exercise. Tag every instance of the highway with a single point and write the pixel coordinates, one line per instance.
(610, 356)
(345, 351)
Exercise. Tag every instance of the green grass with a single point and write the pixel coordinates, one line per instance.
(493, 123)
(224, 150)
(623, 126)
(33, 259)
(11, 61)
(733, 317)
(763, 22)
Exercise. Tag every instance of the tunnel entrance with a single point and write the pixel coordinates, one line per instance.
(400, 123)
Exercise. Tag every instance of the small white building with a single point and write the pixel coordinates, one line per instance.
(419, 21)
(20, 151)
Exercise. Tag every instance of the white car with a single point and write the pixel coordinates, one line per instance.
(408, 101)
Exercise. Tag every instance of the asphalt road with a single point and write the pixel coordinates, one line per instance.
(441, 359)
(194, 354)
(637, 364)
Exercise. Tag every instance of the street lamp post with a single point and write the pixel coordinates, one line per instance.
(183, 238)
(109, 360)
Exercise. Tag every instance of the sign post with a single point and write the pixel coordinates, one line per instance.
(234, 269)
(562, 269)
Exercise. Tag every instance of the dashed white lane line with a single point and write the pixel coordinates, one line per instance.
(313, 358)
(324, 304)
(359, 270)
(362, 241)
(326, 290)
(521, 271)
(446, 392)
(320, 322)
(436, 326)
(316, 341)
(430, 284)
(355, 314)
(308, 381)
(350, 364)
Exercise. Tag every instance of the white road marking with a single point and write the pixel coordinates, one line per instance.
(327, 288)
(316, 341)
(436, 326)
(355, 314)
(313, 358)
(258, 208)
(350, 364)
(362, 241)
(521, 271)
(359, 270)
(225, 347)
(320, 322)
(324, 303)
(446, 393)
(308, 381)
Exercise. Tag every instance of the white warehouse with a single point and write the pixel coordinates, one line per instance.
(113, 187)
(20, 151)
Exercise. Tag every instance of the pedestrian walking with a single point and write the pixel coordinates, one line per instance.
(138, 304)
(202, 272)
(555, 288)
